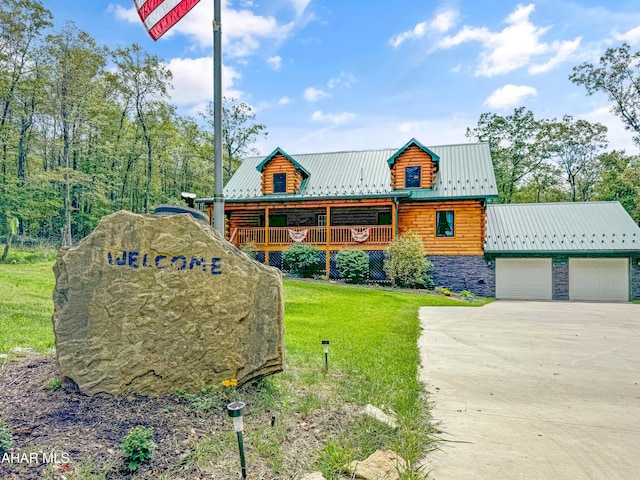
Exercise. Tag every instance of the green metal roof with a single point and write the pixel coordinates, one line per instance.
(465, 171)
(580, 227)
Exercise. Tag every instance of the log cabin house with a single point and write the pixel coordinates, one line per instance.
(362, 200)
(365, 199)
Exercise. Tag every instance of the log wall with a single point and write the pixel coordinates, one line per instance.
(468, 229)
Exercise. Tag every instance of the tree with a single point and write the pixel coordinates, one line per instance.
(12, 224)
(574, 145)
(78, 142)
(22, 23)
(620, 181)
(619, 77)
(76, 63)
(143, 81)
(239, 132)
(514, 148)
(542, 185)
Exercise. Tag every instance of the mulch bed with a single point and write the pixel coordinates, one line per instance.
(85, 431)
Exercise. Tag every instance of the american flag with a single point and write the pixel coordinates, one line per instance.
(158, 16)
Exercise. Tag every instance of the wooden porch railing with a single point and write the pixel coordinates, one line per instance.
(279, 236)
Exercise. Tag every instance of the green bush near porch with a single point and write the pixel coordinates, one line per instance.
(405, 263)
(353, 265)
(302, 260)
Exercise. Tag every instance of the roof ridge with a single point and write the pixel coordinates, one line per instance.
(394, 149)
(528, 204)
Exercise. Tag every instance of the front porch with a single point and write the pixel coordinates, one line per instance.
(356, 236)
(332, 226)
(369, 225)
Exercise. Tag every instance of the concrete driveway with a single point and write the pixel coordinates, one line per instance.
(534, 390)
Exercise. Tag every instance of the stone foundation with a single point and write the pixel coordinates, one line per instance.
(475, 273)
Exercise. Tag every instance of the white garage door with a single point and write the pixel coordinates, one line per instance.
(523, 278)
(604, 279)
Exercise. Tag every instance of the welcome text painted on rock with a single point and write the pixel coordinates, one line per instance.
(134, 259)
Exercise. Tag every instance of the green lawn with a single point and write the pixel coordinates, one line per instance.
(373, 358)
(373, 333)
(26, 306)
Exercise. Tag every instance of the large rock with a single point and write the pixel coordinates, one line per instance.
(381, 465)
(150, 304)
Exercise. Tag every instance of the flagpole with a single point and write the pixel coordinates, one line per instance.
(218, 196)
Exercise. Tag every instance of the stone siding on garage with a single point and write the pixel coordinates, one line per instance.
(475, 273)
(635, 278)
(560, 272)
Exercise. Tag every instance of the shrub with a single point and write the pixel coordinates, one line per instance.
(6, 438)
(405, 263)
(302, 259)
(138, 446)
(353, 265)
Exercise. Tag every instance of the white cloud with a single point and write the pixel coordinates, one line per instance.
(513, 47)
(275, 62)
(418, 31)
(193, 80)
(509, 96)
(313, 94)
(334, 118)
(444, 21)
(243, 30)
(631, 36)
(285, 101)
(300, 6)
(564, 52)
(129, 15)
(345, 79)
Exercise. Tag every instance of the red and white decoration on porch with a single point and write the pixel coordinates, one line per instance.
(298, 235)
(360, 236)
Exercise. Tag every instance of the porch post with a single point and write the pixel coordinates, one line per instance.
(394, 219)
(210, 213)
(328, 242)
(266, 236)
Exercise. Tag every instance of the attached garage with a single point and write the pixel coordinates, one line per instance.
(582, 251)
(524, 279)
(604, 279)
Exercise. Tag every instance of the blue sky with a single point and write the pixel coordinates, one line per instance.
(329, 75)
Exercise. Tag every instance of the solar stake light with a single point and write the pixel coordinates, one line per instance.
(235, 412)
(325, 345)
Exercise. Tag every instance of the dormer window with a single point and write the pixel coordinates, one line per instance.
(412, 177)
(279, 183)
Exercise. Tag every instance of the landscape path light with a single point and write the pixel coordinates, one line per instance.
(325, 345)
(235, 412)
